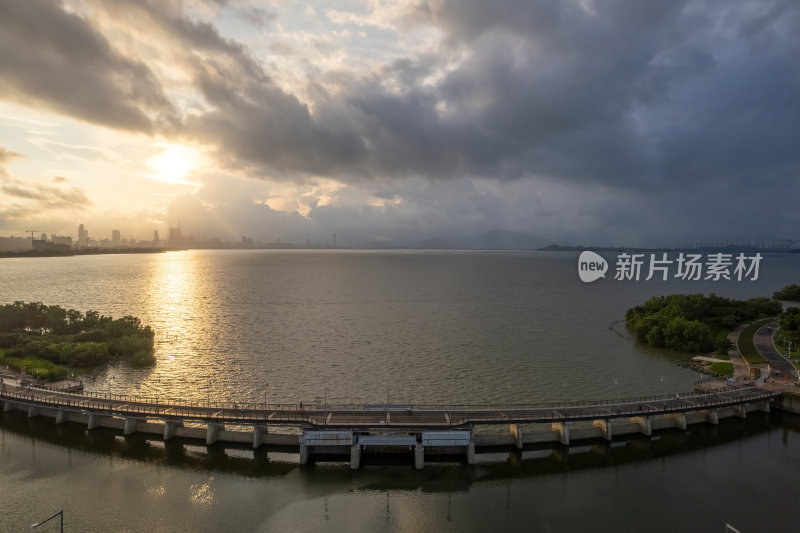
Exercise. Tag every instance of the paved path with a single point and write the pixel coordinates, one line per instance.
(740, 366)
(782, 369)
(708, 359)
(68, 385)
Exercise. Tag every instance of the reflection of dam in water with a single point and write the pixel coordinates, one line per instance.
(497, 463)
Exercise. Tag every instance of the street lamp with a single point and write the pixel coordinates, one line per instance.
(326, 406)
(450, 407)
(59, 514)
(265, 395)
(665, 385)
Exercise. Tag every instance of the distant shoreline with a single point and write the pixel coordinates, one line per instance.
(559, 248)
(551, 248)
(89, 251)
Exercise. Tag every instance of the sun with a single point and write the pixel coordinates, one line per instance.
(173, 163)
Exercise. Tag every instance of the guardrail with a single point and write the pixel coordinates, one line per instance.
(114, 406)
(302, 406)
(317, 415)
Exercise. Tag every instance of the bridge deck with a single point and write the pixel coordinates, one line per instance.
(356, 417)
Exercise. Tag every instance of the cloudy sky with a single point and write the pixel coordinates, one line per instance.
(578, 121)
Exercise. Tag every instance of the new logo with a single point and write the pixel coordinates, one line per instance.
(591, 266)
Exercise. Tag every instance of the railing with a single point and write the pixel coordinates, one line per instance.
(113, 406)
(630, 410)
(302, 406)
(316, 415)
(168, 401)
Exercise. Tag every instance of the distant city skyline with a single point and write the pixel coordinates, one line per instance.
(176, 239)
(490, 240)
(615, 123)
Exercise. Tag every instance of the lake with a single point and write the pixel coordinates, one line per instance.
(364, 327)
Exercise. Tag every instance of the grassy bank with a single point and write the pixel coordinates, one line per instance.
(39, 368)
(781, 347)
(723, 369)
(745, 343)
(45, 341)
(694, 323)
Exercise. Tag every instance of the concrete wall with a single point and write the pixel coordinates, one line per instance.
(790, 403)
(504, 435)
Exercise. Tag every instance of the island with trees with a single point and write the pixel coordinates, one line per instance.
(697, 324)
(46, 341)
(693, 322)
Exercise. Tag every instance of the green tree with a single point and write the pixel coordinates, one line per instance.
(790, 292)
(693, 322)
(42, 337)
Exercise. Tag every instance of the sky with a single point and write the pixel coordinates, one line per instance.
(642, 123)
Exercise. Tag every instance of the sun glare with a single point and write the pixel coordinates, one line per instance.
(173, 163)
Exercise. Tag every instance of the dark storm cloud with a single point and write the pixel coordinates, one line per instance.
(630, 94)
(169, 17)
(263, 128)
(58, 59)
(625, 93)
(651, 96)
(666, 111)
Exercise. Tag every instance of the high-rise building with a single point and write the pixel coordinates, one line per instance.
(115, 237)
(175, 238)
(83, 236)
(62, 240)
(156, 240)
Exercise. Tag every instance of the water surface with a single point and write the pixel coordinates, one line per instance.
(363, 327)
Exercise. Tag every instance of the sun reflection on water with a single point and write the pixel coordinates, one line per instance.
(255, 326)
(202, 495)
(156, 491)
(178, 297)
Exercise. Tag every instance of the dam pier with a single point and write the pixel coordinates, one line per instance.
(344, 432)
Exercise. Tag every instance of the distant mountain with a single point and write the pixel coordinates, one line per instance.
(435, 243)
(693, 249)
(490, 240)
(580, 248)
(506, 240)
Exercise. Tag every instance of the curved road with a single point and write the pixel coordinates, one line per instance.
(766, 347)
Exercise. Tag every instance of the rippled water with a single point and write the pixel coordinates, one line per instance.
(416, 327)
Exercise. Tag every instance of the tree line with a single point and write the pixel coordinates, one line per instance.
(694, 322)
(790, 320)
(790, 293)
(44, 339)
